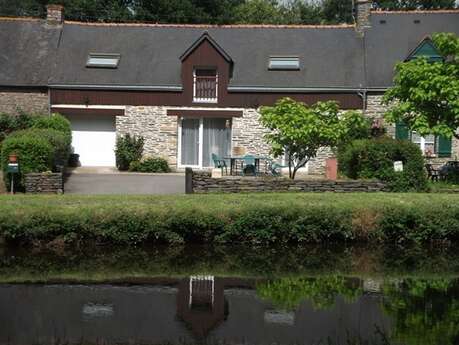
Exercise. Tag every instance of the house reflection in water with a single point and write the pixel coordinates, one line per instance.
(176, 311)
(201, 304)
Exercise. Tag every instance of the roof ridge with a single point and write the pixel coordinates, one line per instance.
(226, 26)
(376, 11)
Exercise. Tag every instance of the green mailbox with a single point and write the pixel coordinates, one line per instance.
(13, 168)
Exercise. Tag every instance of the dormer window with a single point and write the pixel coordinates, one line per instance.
(103, 60)
(205, 85)
(284, 63)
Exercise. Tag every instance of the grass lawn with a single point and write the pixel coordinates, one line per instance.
(228, 218)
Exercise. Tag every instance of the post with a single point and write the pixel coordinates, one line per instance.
(188, 181)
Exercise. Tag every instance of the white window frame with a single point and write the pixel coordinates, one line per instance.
(101, 57)
(200, 144)
(205, 100)
(286, 67)
(423, 142)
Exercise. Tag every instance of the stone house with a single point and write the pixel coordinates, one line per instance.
(194, 90)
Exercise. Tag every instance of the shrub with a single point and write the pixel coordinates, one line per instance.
(11, 123)
(56, 122)
(128, 149)
(374, 158)
(35, 153)
(154, 165)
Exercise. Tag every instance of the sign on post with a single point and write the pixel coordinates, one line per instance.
(398, 166)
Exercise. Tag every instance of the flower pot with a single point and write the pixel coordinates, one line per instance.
(331, 169)
(13, 158)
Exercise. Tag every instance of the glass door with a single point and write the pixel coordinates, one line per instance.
(200, 138)
(216, 140)
(190, 142)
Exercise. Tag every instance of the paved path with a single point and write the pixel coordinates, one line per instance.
(84, 183)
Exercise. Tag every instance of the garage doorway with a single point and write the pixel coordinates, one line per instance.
(94, 138)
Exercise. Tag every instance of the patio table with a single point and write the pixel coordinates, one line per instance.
(233, 160)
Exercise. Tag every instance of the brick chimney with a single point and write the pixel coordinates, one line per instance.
(54, 14)
(362, 14)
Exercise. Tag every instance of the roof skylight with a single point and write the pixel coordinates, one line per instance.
(103, 60)
(284, 63)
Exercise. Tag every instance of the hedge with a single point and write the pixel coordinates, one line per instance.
(35, 152)
(374, 158)
(242, 218)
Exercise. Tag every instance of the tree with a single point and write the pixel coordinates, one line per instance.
(298, 131)
(259, 12)
(425, 95)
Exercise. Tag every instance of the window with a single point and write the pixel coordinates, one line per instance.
(103, 60)
(430, 145)
(205, 85)
(284, 63)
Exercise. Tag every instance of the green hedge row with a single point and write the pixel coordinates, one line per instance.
(270, 218)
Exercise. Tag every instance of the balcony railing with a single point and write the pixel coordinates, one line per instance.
(205, 89)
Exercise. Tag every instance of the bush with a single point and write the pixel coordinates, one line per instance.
(374, 158)
(11, 123)
(153, 165)
(56, 122)
(35, 153)
(128, 149)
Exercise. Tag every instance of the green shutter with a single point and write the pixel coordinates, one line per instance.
(401, 131)
(444, 146)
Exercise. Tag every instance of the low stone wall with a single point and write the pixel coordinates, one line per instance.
(202, 182)
(2, 184)
(45, 183)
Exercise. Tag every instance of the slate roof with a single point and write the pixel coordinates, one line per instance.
(33, 53)
(150, 55)
(386, 44)
(27, 51)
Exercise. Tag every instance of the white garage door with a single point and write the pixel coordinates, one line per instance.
(94, 138)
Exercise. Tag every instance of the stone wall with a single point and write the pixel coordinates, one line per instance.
(247, 132)
(44, 183)
(30, 102)
(158, 129)
(202, 182)
(2, 184)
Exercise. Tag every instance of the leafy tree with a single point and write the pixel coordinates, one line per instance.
(425, 95)
(259, 12)
(298, 131)
(337, 11)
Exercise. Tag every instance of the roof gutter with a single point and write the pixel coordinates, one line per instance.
(170, 88)
(291, 89)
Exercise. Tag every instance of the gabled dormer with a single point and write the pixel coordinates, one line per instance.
(206, 70)
(425, 49)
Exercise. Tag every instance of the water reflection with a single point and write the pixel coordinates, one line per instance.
(132, 303)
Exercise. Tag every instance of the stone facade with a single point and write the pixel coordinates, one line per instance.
(159, 130)
(161, 134)
(247, 132)
(363, 13)
(29, 102)
(44, 183)
(202, 182)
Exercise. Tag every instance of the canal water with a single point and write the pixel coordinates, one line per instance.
(230, 295)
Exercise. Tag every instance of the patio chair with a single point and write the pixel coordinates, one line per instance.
(274, 168)
(249, 167)
(432, 173)
(219, 163)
